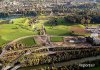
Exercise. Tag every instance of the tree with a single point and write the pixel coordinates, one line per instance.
(83, 21)
(88, 21)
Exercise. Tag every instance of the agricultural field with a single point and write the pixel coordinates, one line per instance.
(28, 42)
(9, 32)
(56, 39)
(62, 30)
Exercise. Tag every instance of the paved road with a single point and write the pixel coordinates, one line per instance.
(19, 39)
(50, 52)
(16, 67)
(57, 64)
(4, 51)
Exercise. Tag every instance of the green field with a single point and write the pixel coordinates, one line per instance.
(62, 29)
(9, 32)
(56, 39)
(20, 27)
(28, 42)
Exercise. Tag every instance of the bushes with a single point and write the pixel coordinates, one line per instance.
(59, 56)
(21, 44)
(41, 57)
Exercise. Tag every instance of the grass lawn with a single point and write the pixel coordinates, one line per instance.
(28, 42)
(9, 32)
(2, 42)
(56, 39)
(65, 29)
(62, 29)
(59, 30)
(20, 20)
